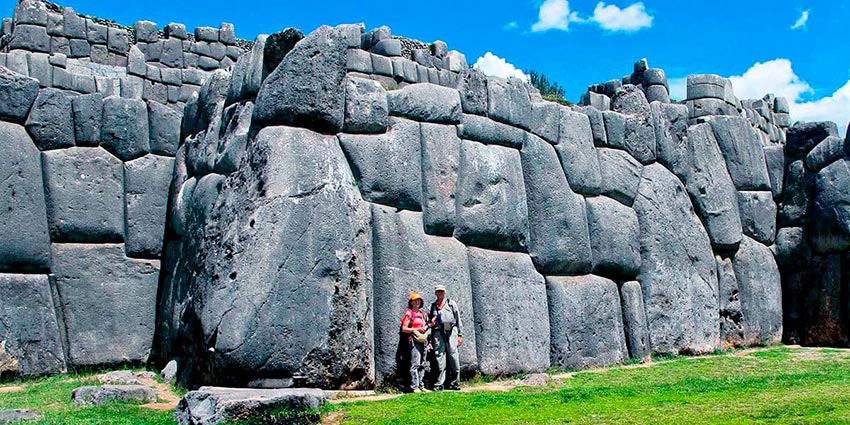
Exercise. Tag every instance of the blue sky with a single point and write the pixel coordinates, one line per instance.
(577, 42)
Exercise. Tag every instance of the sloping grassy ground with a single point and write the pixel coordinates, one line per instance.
(52, 397)
(776, 386)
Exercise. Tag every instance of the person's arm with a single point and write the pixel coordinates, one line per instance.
(405, 325)
(456, 312)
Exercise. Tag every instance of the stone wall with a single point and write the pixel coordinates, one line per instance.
(268, 228)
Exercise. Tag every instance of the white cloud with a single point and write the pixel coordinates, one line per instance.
(510, 25)
(491, 64)
(801, 23)
(778, 77)
(612, 18)
(554, 15)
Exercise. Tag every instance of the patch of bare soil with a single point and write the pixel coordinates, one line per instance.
(163, 392)
(15, 389)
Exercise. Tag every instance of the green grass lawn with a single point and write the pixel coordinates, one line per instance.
(52, 397)
(778, 386)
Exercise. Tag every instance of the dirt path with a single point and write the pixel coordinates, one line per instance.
(15, 389)
(163, 392)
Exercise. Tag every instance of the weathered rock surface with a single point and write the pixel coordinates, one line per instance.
(620, 174)
(678, 272)
(19, 415)
(804, 136)
(84, 190)
(634, 320)
(440, 161)
(215, 405)
(515, 340)
(108, 302)
(17, 94)
(586, 322)
(50, 122)
(125, 128)
(614, 237)
(742, 149)
(577, 154)
(23, 212)
(388, 167)
(559, 241)
(112, 393)
(760, 293)
(29, 330)
(829, 222)
(758, 215)
(731, 316)
(407, 260)
(366, 109)
(426, 102)
(490, 200)
(146, 183)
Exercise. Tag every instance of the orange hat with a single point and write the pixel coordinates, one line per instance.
(415, 296)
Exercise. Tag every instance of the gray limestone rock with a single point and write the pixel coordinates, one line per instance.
(509, 340)
(798, 186)
(213, 405)
(472, 86)
(387, 167)
(88, 114)
(634, 320)
(108, 302)
(490, 200)
(146, 31)
(84, 190)
(760, 293)
(742, 149)
(287, 229)
(671, 129)
(169, 372)
(387, 47)
(578, 156)
(485, 130)
(307, 88)
(29, 330)
(96, 33)
(559, 242)
(117, 40)
(31, 12)
(758, 215)
(802, 137)
(51, 122)
(614, 238)
(366, 109)
(96, 396)
(19, 415)
(233, 144)
(597, 125)
(774, 157)
(586, 322)
(824, 153)
(172, 53)
(829, 223)
(118, 377)
(620, 175)
(426, 102)
(440, 161)
(32, 38)
(711, 189)
(678, 271)
(630, 100)
(164, 127)
(731, 317)
(407, 260)
(545, 120)
(508, 101)
(17, 94)
(146, 183)
(125, 128)
(23, 212)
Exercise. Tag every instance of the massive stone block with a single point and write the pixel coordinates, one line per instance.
(124, 129)
(29, 331)
(614, 237)
(84, 189)
(586, 322)
(307, 88)
(491, 200)
(233, 143)
(798, 186)
(824, 153)
(731, 317)
(164, 126)
(50, 122)
(146, 182)
(760, 292)
(388, 167)
(108, 302)
(365, 106)
(742, 149)
(88, 114)
(678, 272)
(513, 340)
(508, 101)
(559, 242)
(287, 229)
(829, 217)
(485, 130)
(426, 102)
(407, 260)
(577, 154)
(634, 320)
(620, 174)
(758, 215)
(774, 157)
(472, 86)
(23, 212)
(803, 136)
(711, 189)
(17, 94)
(440, 161)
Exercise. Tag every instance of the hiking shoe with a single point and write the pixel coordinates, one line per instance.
(454, 387)
(437, 388)
(424, 390)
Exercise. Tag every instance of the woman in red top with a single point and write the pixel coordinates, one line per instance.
(414, 325)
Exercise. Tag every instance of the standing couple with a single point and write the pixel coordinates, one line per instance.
(439, 332)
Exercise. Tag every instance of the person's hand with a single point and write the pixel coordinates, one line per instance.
(429, 347)
(459, 341)
(423, 329)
